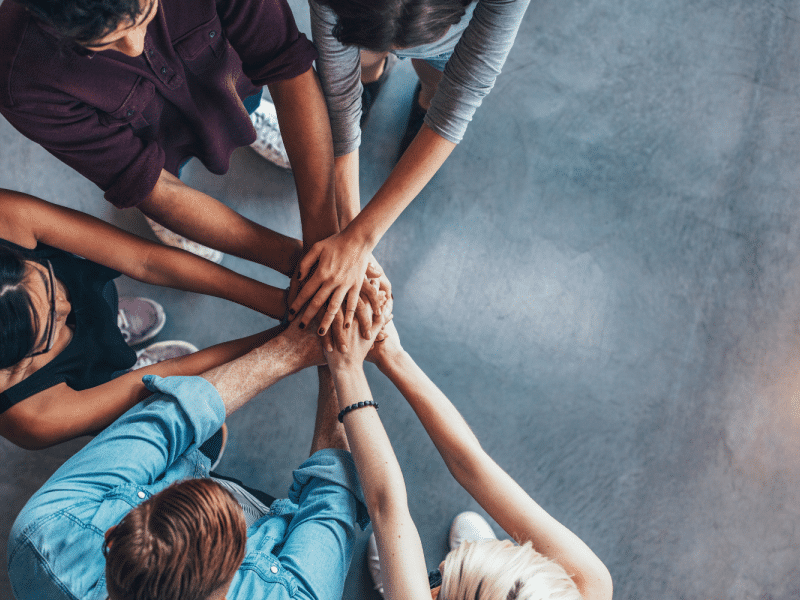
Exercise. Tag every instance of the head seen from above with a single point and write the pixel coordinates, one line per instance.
(97, 24)
(394, 24)
(187, 541)
(492, 569)
(28, 308)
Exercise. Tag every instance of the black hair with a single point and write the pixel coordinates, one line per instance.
(83, 20)
(19, 330)
(380, 25)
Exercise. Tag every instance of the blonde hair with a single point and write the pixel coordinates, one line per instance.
(502, 570)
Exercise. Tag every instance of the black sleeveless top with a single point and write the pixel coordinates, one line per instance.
(97, 349)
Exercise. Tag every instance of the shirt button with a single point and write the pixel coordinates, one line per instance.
(212, 33)
(130, 114)
(274, 569)
(151, 52)
(163, 70)
(141, 494)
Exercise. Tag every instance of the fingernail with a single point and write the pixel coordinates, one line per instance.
(329, 348)
(321, 331)
(347, 325)
(291, 311)
(344, 349)
(302, 326)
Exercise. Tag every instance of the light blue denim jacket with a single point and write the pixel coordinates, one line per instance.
(302, 549)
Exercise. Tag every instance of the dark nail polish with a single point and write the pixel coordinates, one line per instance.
(291, 311)
(322, 331)
(302, 326)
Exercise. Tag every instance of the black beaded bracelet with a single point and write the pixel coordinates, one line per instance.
(347, 409)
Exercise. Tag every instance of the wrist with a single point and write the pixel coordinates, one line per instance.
(392, 360)
(357, 232)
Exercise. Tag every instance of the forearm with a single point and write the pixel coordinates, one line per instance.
(348, 203)
(376, 463)
(203, 219)
(60, 413)
(453, 438)
(238, 381)
(306, 133)
(420, 162)
(171, 267)
(399, 546)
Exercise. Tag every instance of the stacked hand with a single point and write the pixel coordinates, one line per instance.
(339, 275)
(359, 342)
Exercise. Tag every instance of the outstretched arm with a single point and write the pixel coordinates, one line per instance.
(342, 259)
(26, 220)
(507, 503)
(399, 546)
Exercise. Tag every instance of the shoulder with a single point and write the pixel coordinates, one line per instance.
(30, 57)
(54, 546)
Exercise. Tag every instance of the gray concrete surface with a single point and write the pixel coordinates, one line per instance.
(604, 277)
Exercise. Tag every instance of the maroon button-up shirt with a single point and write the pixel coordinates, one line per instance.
(119, 120)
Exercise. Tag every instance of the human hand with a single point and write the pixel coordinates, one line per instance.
(339, 263)
(386, 346)
(357, 345)
(305, 344)
(375, 289)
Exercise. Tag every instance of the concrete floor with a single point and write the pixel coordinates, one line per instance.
(604, 277)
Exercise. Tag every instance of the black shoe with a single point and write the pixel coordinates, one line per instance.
(371, 90)
(415, 119)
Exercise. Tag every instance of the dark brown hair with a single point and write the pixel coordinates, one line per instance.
(381, 25)
(83, 20)
(184, 543)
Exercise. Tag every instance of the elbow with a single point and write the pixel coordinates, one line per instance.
(30, 431)
(599, 585)
(386, 505)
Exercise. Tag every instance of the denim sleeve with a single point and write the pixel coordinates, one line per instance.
(319, 541)
(142, 444)
(476, 62)
(339, 68)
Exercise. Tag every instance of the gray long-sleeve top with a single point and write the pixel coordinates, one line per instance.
(480, 43)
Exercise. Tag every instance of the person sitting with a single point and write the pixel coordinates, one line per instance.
(135, 516)
(549, 561)
(63, 358)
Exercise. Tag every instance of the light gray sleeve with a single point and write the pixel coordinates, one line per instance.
(476, 62)
(339, 69)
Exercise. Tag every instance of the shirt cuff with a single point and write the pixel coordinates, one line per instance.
(197, 397)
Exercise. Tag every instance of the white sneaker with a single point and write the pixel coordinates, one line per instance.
(139, 319)
(269, 142)
(469, 527)
(374, 563)
(170, 238)
(161, 351)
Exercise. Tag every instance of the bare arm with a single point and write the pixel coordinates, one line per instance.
(508, 504)
(60, 413)
(306, 133)
(201, 218)
(399, 546)
(342, 259)
(26, 220)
